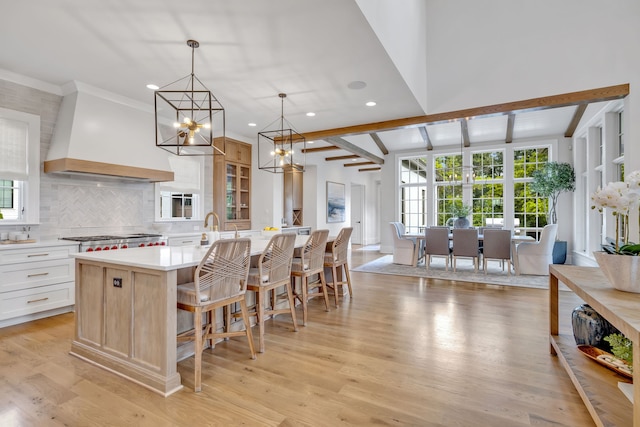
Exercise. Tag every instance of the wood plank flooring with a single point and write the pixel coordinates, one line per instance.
(404, 352)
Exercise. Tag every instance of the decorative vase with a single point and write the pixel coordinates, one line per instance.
(622, 271)
(589, 328)
(461, 222)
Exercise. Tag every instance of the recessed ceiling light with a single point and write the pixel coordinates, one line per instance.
(354, 160)
(152, 86)
(310, 142)
(370, 104)
(252, 124)
(357, 84)
(311, 114)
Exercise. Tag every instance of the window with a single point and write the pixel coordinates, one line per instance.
(620, 160)
(448, 177)
(529, 209)
(19, 166)
(487, 197)
(413, 193)
(177, 205)
(10, 192)
(181, 198)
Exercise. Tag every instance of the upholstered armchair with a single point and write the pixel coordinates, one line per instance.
(535, 257)
(405, 251)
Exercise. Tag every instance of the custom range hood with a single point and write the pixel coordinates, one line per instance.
(100, 133)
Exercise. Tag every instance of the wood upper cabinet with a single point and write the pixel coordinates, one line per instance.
(293, 197)
(238, 152)
(232, 186)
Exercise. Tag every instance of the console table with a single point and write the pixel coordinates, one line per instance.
(597, 385)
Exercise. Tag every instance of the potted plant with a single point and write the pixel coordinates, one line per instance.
(461, 211)
(552, 179)
(620, 262)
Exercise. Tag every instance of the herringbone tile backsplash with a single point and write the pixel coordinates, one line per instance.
(81, 206)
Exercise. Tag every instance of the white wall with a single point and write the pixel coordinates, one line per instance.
(400, 27)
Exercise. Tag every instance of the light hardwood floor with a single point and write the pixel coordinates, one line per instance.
(404, 351)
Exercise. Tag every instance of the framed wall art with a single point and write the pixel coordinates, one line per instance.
(335, 201)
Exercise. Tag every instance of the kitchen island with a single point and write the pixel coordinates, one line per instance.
(126, 319)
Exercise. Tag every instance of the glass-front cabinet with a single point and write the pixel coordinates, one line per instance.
(232, 186)
(237, 187)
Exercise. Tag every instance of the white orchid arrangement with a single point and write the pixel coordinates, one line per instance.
(621, 198)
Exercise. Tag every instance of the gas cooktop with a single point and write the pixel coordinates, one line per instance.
(110, 237)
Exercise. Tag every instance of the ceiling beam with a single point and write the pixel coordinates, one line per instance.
(319, 149)
(347, 157)
(369, 169)
(346, 145)
(542, 103)
(425, 137)
(379, 143)
(348, 165)
(464, 128)
(575, 120)
(511, 121)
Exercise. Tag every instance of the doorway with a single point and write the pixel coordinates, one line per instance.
(357, 214)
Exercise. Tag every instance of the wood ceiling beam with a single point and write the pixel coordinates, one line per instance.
(319, 149)
(348, 165)
(379, 143)
(563, 100)
(352, 148)
(425, 137)
(511, 121)
(347, 157)
(369, 169)
(577, 115)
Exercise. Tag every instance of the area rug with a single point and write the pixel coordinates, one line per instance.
(464, 272)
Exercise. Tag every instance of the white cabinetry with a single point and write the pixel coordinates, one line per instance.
(36, 281)
(186, 239)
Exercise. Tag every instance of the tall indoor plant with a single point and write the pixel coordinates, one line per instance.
(552, 179)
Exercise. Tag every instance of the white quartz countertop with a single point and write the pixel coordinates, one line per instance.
(166, 258)
(38, 244)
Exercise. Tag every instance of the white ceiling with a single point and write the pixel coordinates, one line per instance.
(250, 51)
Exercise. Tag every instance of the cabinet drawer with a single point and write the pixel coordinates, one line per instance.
(185, 241)
(28, 275)
(30, 255)
(34, 300)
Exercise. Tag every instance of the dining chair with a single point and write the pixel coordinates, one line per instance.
(437, 244)
(310, 262)
(405, 251)
(466, 245)
(337, 260)
(271, 271)
(496, 246)
(220, 280)
(535, 257)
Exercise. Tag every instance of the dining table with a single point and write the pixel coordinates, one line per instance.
(516, 239)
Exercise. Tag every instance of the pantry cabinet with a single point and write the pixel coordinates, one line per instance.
(36, 280)
(292, 184)
(232, 186)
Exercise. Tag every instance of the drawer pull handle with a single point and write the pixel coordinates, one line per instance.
(38, 300)
(37, 274)
(32, 255)
(187, 241)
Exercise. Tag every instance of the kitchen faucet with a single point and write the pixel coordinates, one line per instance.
(206, 221)
(237, 235)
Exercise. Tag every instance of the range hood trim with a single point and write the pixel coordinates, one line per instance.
(68, 165)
